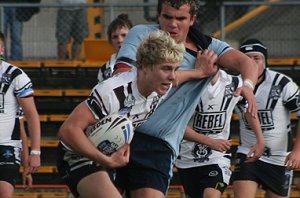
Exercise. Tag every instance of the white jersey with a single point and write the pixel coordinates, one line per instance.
(276, 97)
(119, 94)
(107, 69)
(14, 83)
(212, 118)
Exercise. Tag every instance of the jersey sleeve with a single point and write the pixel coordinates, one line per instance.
(22, 85)
(291, 97)
(219, 47)
(97, 102)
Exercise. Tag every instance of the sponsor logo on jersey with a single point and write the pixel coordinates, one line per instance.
(201, 153)
(129, 101)
(212, 122)
(275, 92)
(265, 119)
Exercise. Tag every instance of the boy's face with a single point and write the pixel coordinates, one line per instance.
(160, 77)
(176, 21)
(118, 37)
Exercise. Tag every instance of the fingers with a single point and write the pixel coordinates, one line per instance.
(292, 165)
(222, 145)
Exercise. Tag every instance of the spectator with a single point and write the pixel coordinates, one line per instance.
(16, 91)
(16, 29)
(277, 97)
(116, 33)
(206, 147)
(13, 23)
(71, 23)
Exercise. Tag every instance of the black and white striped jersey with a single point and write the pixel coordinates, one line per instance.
(212, 118)
(13, 83)
(119, 94)
(277, 96)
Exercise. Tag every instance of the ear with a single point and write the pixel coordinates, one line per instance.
(193, 20)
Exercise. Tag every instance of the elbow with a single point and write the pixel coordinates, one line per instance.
(63, 132)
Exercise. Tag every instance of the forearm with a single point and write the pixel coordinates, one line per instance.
(297, 139)
(34, 129)
(255, 126)
(25, 150)
(186, 75)
(76, 139)
(193, 136)
(239, 62)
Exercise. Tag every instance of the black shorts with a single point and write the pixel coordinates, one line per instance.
(275, 178)
(150, 165)
(73, 167)
(196, 179)
(10, 159)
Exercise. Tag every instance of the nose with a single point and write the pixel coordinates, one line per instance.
(172, 23)
(172, 75)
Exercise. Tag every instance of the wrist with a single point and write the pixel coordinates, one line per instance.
(249, 83)
(35, 152)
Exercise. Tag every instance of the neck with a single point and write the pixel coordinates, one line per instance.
(215, 78)
(261, 76)
(142, 85)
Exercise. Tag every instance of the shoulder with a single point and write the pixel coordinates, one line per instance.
(118, 80)
(277, 75)
(228, 78)
(219, 47)
(140, 31)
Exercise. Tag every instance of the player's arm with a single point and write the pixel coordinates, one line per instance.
(34, 128)
(239, 62)
(26, 176)
(205, 66)
(293, 159)
(216, 144)
(257, 149)
(72, 134)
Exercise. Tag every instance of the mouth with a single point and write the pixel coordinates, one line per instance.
(173, 34)
(166, 86)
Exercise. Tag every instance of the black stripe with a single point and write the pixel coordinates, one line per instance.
(234, 84)
(273, 84)
(16, 131)
(119, 92)
(282, 84)
(12, 76)
(95, 105)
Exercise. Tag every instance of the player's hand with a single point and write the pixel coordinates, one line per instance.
(26, 179)
(247, 93)
(34, 163)
(292, 161)
(120, 157)
(206, 63)
(219, 144)
(255, 152)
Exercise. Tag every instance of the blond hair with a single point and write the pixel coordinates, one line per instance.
(159, 47)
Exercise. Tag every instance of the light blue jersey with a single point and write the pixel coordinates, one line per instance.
(170, 119)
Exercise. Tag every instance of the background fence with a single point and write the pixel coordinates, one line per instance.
(276, 23)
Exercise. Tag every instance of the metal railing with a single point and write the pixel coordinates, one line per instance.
(275, 23)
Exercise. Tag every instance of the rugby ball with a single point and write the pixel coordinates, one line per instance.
(111, 133)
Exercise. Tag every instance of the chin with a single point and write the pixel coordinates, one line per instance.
(162, 92)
